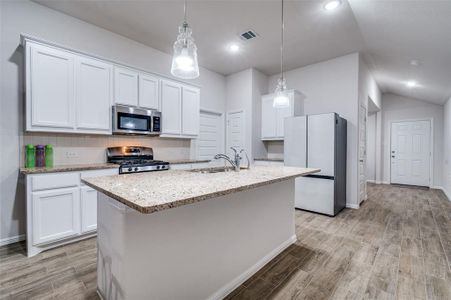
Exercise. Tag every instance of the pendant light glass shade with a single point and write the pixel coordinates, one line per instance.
(184, 60)
(281, 98)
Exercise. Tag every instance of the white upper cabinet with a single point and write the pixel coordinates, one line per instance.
(190, 110)
(93, 94)
(171, 102)
(50, 88)
(149, 91)
(273, 118)
(70, 92)
(180, 110)
(125, 86)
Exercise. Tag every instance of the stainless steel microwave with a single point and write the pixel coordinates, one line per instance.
(132, 120)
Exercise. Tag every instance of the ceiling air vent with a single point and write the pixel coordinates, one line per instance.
(248, 35)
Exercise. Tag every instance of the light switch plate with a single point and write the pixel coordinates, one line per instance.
(72, 154)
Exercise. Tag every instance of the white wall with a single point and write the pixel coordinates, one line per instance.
(371, 148)
(370, 98)
(259, 88)
(446, 180)
(239, 98)
(332, 86)
(398, 108)
(30, 18)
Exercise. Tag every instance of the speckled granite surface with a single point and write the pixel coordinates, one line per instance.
(155, 191)
(69, 168)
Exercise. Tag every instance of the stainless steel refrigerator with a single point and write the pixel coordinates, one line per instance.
(318, 141)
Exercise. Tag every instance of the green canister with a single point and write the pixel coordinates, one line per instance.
(49, 156)
(30, 154)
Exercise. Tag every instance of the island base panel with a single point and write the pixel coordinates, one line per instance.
(198, 251)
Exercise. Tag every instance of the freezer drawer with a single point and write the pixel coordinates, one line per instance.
(315, 194)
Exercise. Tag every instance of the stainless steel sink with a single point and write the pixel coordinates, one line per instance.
(212, 170)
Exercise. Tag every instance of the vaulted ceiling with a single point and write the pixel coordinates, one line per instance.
(390, 34)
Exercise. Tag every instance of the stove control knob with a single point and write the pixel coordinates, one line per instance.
(158, 167)
(129, 169)
(136, 169)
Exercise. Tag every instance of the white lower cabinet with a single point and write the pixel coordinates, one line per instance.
(88, 205)
(60, 208)
(55, 215)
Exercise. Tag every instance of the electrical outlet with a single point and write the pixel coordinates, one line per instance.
(72, 154)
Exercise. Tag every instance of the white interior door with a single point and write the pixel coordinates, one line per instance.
(410, 152)
(211, 135)
(235, 130)
(362, 153)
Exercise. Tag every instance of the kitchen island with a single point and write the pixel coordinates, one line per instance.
(193, 234)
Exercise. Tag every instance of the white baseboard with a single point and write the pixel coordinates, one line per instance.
(11, 240)
(353, 206)
(232, 285)
(444, 191)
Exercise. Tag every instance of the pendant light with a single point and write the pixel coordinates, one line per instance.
(281, 98)
(184, 60)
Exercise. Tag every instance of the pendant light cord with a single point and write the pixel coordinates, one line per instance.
(184, 13)
(281, 44)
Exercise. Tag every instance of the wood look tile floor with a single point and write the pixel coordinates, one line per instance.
(396, 246)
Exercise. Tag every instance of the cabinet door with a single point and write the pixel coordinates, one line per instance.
(171, 96)
(93, 93)
(88, 201)
(56, 215)
(148, 91)
(283, 113)
(125, 86)
(269, 118)
(51, 88)
(190, 111)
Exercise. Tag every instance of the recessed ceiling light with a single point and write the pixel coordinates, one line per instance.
(411, 83)
(414, 63)
(234, 48)
(333, 4)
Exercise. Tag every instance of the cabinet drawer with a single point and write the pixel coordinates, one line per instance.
(98, 173)
(54, 181)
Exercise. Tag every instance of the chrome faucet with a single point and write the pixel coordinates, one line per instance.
(236, 162)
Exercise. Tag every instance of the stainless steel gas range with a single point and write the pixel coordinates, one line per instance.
(135, 159)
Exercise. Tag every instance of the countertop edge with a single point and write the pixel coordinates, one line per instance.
(67, 168)
(191, 200)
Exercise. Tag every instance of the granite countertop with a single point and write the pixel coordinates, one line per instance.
(155, 191)
(187, 161)
(269, 159)
(68, 168)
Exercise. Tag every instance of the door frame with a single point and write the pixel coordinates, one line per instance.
(243, 134)
(431, 145)
(222, 130)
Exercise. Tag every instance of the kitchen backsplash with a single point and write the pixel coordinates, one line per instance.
(275, 149)
(85, 149)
